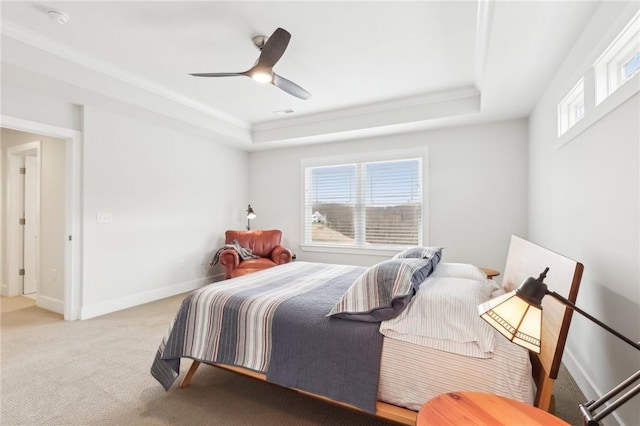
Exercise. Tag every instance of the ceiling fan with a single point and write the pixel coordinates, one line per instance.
(271, 50)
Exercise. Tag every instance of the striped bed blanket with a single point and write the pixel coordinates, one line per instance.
(274, 322)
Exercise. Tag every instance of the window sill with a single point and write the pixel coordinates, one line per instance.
(336, 248)
(611, 102)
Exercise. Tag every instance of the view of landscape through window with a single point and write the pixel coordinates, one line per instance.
(364, 204)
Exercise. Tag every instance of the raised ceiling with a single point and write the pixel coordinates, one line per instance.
(372, 67)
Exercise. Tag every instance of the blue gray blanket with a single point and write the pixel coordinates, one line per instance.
(332, 357)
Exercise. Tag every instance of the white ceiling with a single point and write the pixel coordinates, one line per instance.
(372, 67)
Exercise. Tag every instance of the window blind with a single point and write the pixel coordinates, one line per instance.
(364, 204)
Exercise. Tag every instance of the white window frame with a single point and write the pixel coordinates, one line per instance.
(402, 154)
(571, 108)
(609, 66)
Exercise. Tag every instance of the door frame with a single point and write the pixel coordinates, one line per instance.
(15, 202)
(73, 214)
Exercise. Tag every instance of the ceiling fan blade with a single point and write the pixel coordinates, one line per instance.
(218, 74)
(290, 87)
(274, 48)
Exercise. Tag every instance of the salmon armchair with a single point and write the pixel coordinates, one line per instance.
(263, 243)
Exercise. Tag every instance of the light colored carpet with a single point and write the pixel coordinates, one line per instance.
(96, 372)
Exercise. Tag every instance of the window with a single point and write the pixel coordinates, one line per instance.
(613, 78)
(631, 67)
(571, 108)
(373, 204)
(620, 61)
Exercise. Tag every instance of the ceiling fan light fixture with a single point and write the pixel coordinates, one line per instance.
(271, 50)
(262, 77)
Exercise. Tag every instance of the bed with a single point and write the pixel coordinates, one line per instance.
(311, 327)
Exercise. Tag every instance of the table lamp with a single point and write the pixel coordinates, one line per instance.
(250, 215)
(517, 315)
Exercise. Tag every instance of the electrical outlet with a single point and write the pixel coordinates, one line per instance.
(104, 218)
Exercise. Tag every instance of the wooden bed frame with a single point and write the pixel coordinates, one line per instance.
(524, 260)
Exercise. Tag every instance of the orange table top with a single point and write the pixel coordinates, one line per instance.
(482, 409)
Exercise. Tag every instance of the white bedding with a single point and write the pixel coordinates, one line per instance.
(410, 375)
(439, 344)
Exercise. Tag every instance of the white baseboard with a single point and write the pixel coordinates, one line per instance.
(5, 290)
(50, 304)
(588, 388)
(109, 306)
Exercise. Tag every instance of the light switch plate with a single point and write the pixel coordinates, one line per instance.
(104, 218)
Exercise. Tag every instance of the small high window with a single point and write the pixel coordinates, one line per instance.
(620, 61)
(571, 108)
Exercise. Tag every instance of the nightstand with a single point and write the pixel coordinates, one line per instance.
(482, 409)
(490, 272)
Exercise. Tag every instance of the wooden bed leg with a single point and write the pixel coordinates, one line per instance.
(190, 373)
(544, 394)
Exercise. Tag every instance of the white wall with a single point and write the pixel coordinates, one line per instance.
(52, 215)
(171, 195)
(477, 182)
(20, 101)
(584, 203)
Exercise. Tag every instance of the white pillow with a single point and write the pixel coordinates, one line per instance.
(463, 270)
(443, 315)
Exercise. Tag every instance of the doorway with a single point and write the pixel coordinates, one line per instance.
(69, 273)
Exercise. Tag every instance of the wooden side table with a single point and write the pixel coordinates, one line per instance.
(490, 272)
(482, 409)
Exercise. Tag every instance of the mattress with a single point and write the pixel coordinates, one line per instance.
(410, 375)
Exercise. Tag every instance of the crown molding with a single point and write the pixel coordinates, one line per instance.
(377, 117)
(372, 108)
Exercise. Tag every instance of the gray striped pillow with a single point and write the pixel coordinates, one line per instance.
(384, 290)
(418, 252)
